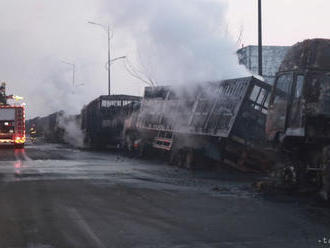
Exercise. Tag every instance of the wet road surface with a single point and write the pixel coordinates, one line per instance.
(55, 196)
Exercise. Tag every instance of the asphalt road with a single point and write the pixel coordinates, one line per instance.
(55, 196)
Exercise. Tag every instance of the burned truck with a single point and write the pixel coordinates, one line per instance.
(102, 120)
(298, 122)
(218, 121)
(50, 128)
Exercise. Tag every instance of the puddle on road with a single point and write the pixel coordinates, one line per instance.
(110, 172)
(110, 168)
(61, 169)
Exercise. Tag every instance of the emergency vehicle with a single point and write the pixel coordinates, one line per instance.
(12, 120)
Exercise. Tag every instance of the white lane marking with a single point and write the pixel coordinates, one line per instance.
(83, 225)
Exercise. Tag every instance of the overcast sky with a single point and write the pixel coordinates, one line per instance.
(171, 41)
(284, 21)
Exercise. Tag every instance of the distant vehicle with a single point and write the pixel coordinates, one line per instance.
(102, 120)
(222, 121)
(298, 122)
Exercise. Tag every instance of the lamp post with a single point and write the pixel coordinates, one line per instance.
(259, 38)
(107, 29)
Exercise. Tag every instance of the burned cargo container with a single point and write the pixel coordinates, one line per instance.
(102, 120)
(298, 122)
(222, 121)
(47, 127)
(52, 128)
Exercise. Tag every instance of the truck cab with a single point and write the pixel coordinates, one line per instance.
(299, 108)
(298, 121)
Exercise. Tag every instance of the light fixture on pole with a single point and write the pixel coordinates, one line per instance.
(118, 58)
(107, 29)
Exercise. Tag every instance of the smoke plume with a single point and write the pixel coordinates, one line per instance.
(173, 41)
(73, 135)
(179, 41)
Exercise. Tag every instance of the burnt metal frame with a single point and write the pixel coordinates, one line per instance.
(290, 93)
(92, 113)
(247, 101)
(247, 106)
(291, 96)
(226, 91)
(263, 101)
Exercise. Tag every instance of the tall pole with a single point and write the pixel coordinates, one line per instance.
(109, 60)
(259, 38)
(107, 29)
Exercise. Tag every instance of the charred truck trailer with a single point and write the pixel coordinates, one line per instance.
(222, 121)
(102, 120)
(47, 127)
(51, 127)
(298, 121)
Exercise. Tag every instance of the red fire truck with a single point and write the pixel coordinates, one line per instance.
(12, 125)
(12, 120)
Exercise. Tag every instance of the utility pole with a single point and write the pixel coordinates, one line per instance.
(109, 59)
(108, 64)
(259, 38)
(107, 29)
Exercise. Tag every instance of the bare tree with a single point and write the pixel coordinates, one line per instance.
(141, 73)
(240, 36)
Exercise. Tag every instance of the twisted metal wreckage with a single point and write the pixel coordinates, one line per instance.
(244, 122)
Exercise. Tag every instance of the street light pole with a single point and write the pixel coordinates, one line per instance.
(109, 59)
(107, 29)
(259, 38)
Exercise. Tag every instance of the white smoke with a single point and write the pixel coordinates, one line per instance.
(176, 41)
(73, 135)
(35, 37)
(182, 41)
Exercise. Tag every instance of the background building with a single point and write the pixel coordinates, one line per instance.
(272, 57)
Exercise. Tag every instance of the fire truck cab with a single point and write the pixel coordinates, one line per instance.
(12, 125)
